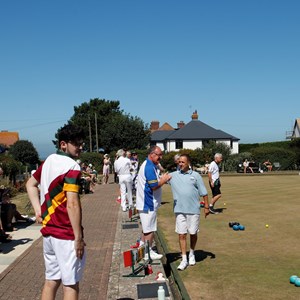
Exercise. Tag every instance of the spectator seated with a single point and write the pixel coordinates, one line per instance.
(86, 179)
(267, 166)
(10, 214)
(4, 237)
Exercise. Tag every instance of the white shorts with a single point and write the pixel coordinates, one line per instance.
(148, 221)
(61, 262)
(187, 223)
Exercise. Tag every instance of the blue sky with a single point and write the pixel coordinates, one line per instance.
(236, 62)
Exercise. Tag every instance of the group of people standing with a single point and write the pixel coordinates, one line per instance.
(187, 186)
(107, 164)
(54, 194)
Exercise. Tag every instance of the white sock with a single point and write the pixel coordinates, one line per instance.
(191, 252)
(184, 258)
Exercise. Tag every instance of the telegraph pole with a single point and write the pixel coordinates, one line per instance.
(90, 133)
(96, 127)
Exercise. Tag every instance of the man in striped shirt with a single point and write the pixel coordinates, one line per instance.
(54, 193)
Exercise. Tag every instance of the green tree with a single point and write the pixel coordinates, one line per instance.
(214, 148)
(10, 167)
(96, 159)
(286, 158)
(125, 131)
(24, 152)
(104, 119)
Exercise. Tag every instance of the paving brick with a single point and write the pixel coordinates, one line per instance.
(106, 241)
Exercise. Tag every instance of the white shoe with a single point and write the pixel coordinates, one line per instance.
(153, 255)
(124, 209)
(183, 265)
(192, 260)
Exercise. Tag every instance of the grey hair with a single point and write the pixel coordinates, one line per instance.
(120, 152)
(153, 148)
(218, 155)
(176, 156)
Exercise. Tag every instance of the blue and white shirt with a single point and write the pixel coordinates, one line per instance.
(187, 187)
(146, 198)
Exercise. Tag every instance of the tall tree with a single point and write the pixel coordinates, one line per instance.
(24, 152)
(103, 119)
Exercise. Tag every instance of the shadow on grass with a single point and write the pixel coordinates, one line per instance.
(199, 256)
(202, 255)
(220, 210)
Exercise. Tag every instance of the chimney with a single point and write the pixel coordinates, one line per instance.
(195, 115)
(154, 125)
(180, 124)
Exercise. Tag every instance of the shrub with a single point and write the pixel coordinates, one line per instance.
(286, 158)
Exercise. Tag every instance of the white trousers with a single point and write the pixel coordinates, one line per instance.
(125, 182)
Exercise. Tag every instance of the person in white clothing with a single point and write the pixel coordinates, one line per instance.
(214, 181)
(122, 166)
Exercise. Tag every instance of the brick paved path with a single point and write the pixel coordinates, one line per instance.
(24, 278)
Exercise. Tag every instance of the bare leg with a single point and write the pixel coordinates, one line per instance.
(71, 292)
(182, 243)
(193, 241)
(215, 199)
(148, 237)
(50, 289)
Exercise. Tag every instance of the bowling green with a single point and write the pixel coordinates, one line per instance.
(252, 264)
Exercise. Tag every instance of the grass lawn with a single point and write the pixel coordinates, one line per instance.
(22, 202)
(251, 264)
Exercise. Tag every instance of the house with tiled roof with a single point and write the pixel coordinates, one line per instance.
(295, 132)
(8, 138)
(192, 135)
(296, 129)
